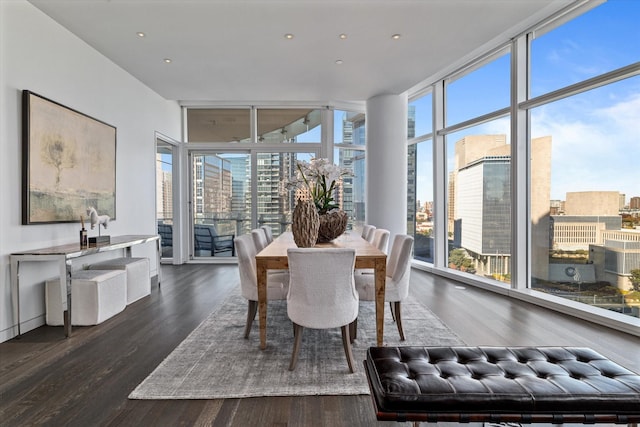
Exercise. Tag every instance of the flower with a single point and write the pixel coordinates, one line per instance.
(319, 177)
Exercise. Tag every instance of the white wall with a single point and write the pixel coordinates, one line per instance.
(39, 55)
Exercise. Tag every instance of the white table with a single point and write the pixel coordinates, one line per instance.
(64, 255)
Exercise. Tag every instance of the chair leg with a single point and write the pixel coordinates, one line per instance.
(251, 314)
(353, 330)
(393, 313)
(398, 318)
(346, 342)
(297, 332)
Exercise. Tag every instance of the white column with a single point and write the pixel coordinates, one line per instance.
(386, 163)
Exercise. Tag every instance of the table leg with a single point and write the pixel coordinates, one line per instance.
(262, 302)
(158, 256)
(65, 287)
(15, 292)
(380, 277)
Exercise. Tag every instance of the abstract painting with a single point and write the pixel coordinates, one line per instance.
(68, 163)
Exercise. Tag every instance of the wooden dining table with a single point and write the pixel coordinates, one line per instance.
(274, 256)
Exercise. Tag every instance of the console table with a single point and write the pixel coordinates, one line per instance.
(64, 256)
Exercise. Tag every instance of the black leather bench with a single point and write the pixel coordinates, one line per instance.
(501, 384)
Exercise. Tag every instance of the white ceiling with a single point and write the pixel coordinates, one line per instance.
(235, 50)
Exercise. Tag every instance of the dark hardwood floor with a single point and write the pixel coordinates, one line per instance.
(47, 380)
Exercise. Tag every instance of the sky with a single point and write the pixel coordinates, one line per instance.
(595, 135)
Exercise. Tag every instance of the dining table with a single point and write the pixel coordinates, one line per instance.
(274, 257)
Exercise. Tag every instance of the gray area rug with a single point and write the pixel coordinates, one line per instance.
(215, 361)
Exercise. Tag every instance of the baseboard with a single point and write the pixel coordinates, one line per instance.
(26, 326)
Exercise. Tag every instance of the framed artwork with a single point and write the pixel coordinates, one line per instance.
(68, 163)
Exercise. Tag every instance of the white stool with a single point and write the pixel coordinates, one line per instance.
(95, 297)
(138, 277)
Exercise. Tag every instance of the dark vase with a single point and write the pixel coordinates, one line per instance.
(332, 225)
(304, 224)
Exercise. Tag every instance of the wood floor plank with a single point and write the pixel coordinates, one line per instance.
(46, 379)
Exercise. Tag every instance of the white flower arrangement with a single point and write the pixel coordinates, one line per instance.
(320, 178)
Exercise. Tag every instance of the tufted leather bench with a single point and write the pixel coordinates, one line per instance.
(501, 384)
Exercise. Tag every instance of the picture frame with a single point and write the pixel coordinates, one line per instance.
(68, 163)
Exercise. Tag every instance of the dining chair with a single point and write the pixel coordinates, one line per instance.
(277, 282)
(207, 241)
(367, 232)
(322, 294)
(166, 239)
(268, 231)
(396, 280)
(259, 238)
(380, 241)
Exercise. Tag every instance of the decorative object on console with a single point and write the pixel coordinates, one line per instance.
(317, 181)
(98, 220)
(67, 158)
(305, 223)
(83, 234)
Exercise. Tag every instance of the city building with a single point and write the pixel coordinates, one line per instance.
(480, 201)
(594, 203)
(164, 192)
(616, 257)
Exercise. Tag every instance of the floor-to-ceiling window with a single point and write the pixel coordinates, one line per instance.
(585, 151)
(275, 204)
(240, 159)
(568, 93)
(478, 169)
(349, 141)
(420, 177)
(164, 195)
(220, 201)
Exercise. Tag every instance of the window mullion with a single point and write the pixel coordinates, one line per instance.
(520, 149)
(439, 178)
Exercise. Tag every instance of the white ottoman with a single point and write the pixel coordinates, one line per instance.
(138, 276)
(96, 295)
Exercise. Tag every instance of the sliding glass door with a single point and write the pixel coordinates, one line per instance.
(220, 201)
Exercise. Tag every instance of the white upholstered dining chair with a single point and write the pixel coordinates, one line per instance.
(367, 232)
(259, 238)
(380, 241)
(322, 294)
(277, 282)
(396, 281)
(268, 232)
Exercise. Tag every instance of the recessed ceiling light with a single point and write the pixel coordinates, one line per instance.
(339, 61)
(167, 60)
(288, 36)
(395, 36)
(140, 34)
(342, 36)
